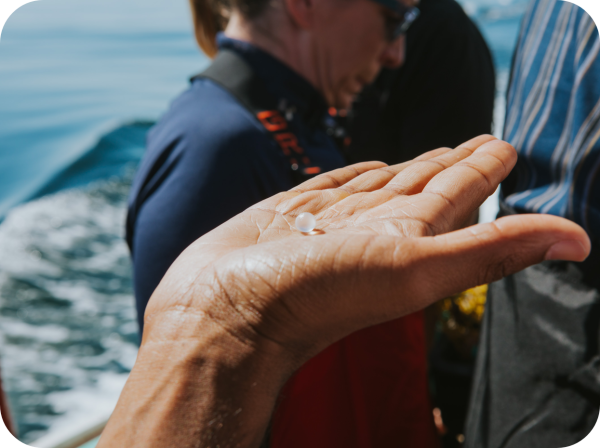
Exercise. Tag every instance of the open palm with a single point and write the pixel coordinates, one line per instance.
(382, 248)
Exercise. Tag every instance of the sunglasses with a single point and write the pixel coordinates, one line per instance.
(399, 19)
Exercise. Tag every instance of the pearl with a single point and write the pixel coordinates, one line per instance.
(306, 222)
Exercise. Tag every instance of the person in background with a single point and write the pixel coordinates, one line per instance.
(537, 383)
(254, 124)
(5, 411)
(441, 96)
(251, 301)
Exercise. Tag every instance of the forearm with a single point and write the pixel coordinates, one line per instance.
(197, 385)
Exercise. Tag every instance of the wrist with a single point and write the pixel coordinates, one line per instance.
(196, 380)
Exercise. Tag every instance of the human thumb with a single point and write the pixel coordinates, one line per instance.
(487, 252)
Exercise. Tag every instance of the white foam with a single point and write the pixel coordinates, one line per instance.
(47, 333)
(67, 318)
(82, 408)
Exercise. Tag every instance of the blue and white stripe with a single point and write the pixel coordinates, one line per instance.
(553, 115)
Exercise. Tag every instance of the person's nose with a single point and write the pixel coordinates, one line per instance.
(394, 53)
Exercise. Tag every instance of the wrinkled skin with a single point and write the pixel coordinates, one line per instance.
(245, 305)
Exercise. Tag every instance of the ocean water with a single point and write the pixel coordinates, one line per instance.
(73, 70)
(81, 82)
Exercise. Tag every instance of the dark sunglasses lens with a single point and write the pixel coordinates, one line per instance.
(398, 26)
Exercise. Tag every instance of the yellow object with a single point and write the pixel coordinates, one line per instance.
(472, 301)
(460, 318)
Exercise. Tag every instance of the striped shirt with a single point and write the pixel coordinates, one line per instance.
(553, 115)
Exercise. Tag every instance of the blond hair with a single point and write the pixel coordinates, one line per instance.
(212, 16)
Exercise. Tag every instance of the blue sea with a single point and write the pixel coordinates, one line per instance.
(81, 82)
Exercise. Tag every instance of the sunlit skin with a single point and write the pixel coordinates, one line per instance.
(339, 46)
(348, 58)
(248, 303)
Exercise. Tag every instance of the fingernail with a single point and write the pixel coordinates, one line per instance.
(570, 250)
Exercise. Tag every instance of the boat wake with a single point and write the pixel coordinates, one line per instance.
(68, 333)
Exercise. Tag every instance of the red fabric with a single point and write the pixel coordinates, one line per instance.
(368, 390)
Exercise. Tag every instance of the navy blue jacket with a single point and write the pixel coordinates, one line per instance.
(209, 158)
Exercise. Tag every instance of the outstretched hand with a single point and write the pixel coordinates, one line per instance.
(381, 248)
(262, 297)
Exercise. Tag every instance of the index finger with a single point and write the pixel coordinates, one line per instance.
(416, 177)
(454, 193)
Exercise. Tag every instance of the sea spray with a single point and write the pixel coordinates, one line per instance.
(68, 334)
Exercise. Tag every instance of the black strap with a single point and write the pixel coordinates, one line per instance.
(235, 75)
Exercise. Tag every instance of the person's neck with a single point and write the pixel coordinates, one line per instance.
(278, 37)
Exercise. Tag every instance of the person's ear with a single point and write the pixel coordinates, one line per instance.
(301, 12)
